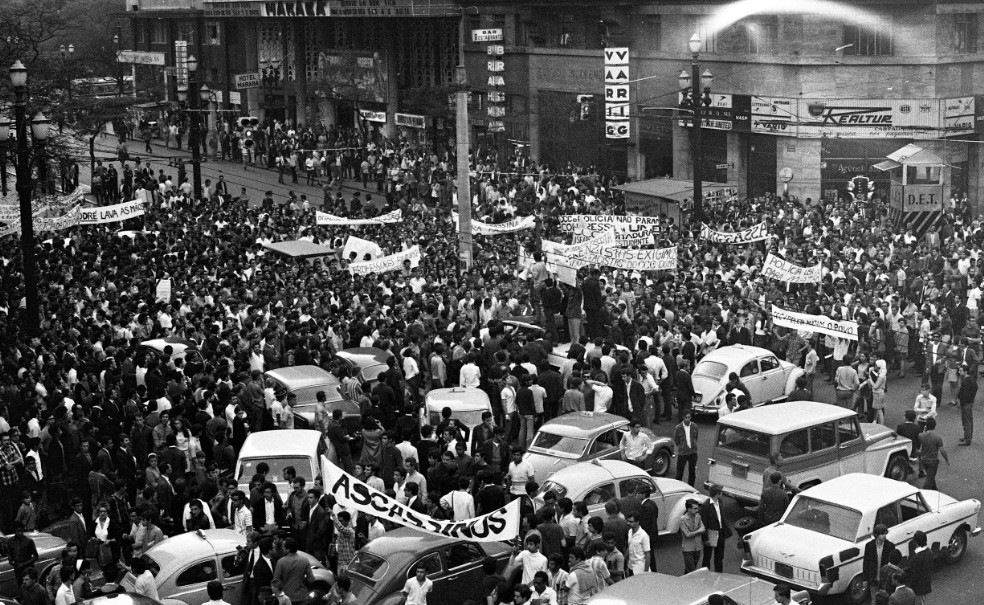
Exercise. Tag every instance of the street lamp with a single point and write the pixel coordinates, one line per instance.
(67, 53)
(191, 94)
(39, 130)
(4, 138)
(696, 81)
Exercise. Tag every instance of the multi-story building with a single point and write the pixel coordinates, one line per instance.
(800, 100)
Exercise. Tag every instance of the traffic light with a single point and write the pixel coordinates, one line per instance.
(585, 102)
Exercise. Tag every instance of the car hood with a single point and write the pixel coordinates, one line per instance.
(795, 546)
(544, 465)
(876, 432)
(707, 387)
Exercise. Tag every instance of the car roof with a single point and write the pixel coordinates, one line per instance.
(125, 598)
(584, 473)
(726, 355)
(582, 424)
(404, 543)
(365, 356)
(459, 398)
(299, 377)
(176, 551)
(860, 491)
(177, 344)
(280, 442)
(693, 587)
(781, 418)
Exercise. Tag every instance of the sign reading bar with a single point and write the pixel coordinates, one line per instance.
(776, 268)
(140, 57)
(814, 323)
(752, 234)
(250, 80)
(487, 35)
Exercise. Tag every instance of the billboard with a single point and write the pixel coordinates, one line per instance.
(869, 118)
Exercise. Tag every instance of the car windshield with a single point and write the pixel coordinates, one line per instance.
(372, 372)
(152, 564)
(470, 418)
(557, 488)
(559, 445)
(368, 566)
(824, 518)
(711, 369)
(277, 465)
(744, 441)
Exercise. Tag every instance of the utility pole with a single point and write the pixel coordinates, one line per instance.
(465, 252)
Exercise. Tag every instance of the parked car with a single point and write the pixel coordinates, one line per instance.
(305, 382)
(365, 363)
(811, 441)
(767, 378)
(467, 406)
(184, 564)
(49, 549)
(381, 568)
(300, 448)
(818, 545)
(599, 481)
(181, 348)
(584, 436)
(691, 589)
(526, 325)
(120, 598)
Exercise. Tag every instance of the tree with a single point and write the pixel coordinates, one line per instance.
(350, 77)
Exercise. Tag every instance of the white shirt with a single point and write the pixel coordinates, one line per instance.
(102, 529)
(603, 396)
(686, 433)
(242, 520)
(638, 547)
(146, 586)
(461, 503)
(519, 474)
(417, 592)
(532, 562)
(65, 595)
(470, 376)
(547, 597)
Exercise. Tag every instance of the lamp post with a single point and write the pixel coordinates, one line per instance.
(191, 95)
(4, 139)
(695, 81)
(39, 130)
(66, 54)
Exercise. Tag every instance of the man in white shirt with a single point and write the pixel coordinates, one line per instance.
(470, 374)
(541, 592)
(531, 559)
(460, 502)
(603, 394)
(520, 472)
(636, 446)
(144, 583)
(417, 588)
(242, 517)
(637, 557)
(214, 590)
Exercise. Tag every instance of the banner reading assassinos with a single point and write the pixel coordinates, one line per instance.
(350, 492)
(510, 226)
(752, 234)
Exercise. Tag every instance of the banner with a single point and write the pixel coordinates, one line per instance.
(629, 230)
(323, 218)
(393, 262)
(752, 234)
(10, 207)
(163, 290)
(776, 268)
(814, 323)
(510, 226)
(350, 492)
(660, 259)
(69, 219)
(361, 247)
(111, 214)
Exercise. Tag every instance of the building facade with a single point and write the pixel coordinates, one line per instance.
(799, 102)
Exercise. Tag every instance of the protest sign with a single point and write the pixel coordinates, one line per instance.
(814, 323)
(510, 226)
(393, 262)
(163, 291)
(629, 230)
(361, 247)
(69, 219)
(659, 259)
(350, 492)
(323, 218)
(776, 268)
(111, 214)
(746, 236)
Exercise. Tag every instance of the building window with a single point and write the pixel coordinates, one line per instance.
(157, 32)
(708, 36)
(186, 32)
(758, 36)
(212, 33)
(139, 32)
(868, 41)
(965, 33)
(649, 32)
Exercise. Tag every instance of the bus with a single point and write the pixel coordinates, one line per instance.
(102, 88)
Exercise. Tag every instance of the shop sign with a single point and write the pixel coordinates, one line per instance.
(617, 124)
(251, 80)
(918, 198)
(181, 62)
(328, 8)
(139, 57)
(496, 111)
(487, 35)
(958, 115)
(411, 120)
(718, 116)
(495, 50)
(233, 9)
(773, 115)
(869, 118)
(495, 126)
(373, 116)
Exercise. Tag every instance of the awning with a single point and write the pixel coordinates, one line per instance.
(299, 249)
(672, 189)
(886, 165)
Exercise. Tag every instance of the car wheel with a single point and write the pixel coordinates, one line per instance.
(661, 463)
(956, 547)
(898, 468)
(857, 590)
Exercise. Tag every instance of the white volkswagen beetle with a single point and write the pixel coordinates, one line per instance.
(767, 378)
(818, 545)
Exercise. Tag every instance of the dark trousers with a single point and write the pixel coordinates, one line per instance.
(930, 466)
(594, 323)
(684, 461)
(967, 419)
(718, 553)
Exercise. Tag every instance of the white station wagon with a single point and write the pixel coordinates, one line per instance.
(767, 378)
(818, 545)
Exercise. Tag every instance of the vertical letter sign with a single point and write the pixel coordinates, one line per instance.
(616, 93)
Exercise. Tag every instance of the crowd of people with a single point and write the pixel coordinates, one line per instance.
(134, 446)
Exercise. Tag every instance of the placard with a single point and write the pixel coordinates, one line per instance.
(756, 233)
(627, 228)
(776, 268)
(111, 214)
(163, 291)
(814, 323)
(140, 57)
(361, 247)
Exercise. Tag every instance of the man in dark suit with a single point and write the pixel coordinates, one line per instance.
(316, 538)
(414, 502)
(717, 529)
(877, 553)
(649, 521)
(683, 387)
(261, 575)
(261, 517)
(628, 397)
(78, 529)
(920, 567)
(685, 439)
(594, 305)
(483, 432)
(490, 496)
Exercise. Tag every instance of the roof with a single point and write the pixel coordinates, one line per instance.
(587, 473)
(914, 155)
(726, 354)
(860, 491)
(459, 398)
(404, 543)
(672, 189)
(116, 598)
(582, 424)
(299, 249)
(781, 418)
(691, 588)
(299, 377)
(280, 442)
(177, 550)
(364, 357)
(177, 344)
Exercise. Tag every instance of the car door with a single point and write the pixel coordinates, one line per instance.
(595, 499)
(232, 576)
(463, 562)
(850, 446)
(189, 584)
(443, 591)
(604, 446)
(915, 515)
(773, 379)
(751, 377)
(636, 485)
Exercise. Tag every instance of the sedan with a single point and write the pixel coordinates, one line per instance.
(365, 363)
(595, 483)
(184, 564)
(691, 589)
(49, 549)
(382, 567)
(767, 378)
(818, 545)
(585, 436)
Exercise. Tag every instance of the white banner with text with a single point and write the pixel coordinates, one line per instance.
(814, 323)
(393, 262)
(323, 218)
(746, 236)
(510, 226)
(783, 270)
